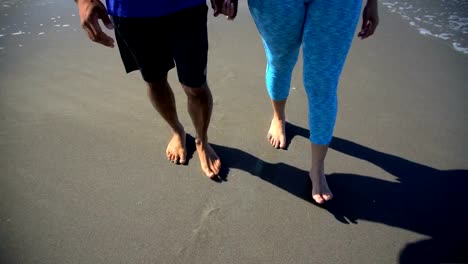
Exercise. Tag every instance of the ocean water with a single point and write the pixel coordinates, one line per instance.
(23, 21)
(446, 20)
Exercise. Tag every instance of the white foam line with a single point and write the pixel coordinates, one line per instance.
(424, 31)
(41, 33)
(1, 35)
(444, 36)
(1, 48)
(458, 47)
(66, 25)
(17, 33)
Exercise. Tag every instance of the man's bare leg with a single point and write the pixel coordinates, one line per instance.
(200, 105)
(320, 190)
(277, 134)
(162, 98)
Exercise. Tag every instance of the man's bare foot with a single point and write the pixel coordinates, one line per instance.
(210, 162)
(277, 135)
(320, 191)
(176, 151)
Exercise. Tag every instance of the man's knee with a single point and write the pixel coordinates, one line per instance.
(196, 91)
(158, 83)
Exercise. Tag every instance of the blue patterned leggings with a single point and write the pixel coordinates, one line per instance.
(325, 28)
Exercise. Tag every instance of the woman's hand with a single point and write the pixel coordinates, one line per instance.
(225, 7)
(370, 19)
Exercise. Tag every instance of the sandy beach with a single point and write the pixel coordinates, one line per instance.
(84, 178)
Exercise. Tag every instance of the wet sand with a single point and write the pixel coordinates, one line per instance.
(84, 179)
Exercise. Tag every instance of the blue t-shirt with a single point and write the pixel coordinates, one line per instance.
(148, 8)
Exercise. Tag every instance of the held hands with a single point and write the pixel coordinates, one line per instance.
(370, 19)
(225, 7)
(90, 12)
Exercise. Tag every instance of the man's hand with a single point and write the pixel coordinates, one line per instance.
(225, 7)
(370, 19)
(90, 12)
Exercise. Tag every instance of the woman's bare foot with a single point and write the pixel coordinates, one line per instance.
(277, 135)
(176, 151)
(320, 191)
(210, 162)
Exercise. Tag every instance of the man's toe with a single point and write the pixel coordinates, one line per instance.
(327, 197)
(318, 198)
(209, 173)
(182, 158)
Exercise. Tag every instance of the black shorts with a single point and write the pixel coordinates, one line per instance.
(152, 45)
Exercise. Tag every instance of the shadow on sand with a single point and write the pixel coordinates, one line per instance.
(425, 200)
